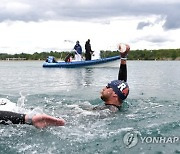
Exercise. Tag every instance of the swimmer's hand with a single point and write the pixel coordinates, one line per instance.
(44, 120)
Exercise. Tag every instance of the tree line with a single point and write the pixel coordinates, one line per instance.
(161, 54)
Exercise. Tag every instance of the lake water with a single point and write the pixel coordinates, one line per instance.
(148, 123)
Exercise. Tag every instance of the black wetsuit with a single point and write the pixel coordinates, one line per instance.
(112, 107)
(7, 117)
(122, 72)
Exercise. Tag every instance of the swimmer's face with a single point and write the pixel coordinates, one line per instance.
(106, 93)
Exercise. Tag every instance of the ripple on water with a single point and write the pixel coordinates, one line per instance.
(94, 132)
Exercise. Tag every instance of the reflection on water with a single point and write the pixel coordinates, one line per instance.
(88, 80)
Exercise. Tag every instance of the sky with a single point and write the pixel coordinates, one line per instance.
(31, 26)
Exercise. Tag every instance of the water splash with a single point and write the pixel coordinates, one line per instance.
(21, 100)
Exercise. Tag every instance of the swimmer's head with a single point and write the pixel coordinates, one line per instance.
(120, 87)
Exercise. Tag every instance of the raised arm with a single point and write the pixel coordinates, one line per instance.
(124, 49)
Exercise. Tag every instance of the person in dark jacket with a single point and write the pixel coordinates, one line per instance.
(78, 51)
(88, 51)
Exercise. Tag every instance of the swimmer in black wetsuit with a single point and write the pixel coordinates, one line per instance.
(117, 90)
(38, 120)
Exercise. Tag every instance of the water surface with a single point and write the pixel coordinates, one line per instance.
(151, 109)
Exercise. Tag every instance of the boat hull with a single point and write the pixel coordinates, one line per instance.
(80, 63)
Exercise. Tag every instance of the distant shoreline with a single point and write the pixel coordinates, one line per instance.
(168, 59)
(158, 55)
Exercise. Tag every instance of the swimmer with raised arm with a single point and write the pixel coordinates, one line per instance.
(117, 90)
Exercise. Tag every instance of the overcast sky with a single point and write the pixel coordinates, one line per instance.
(43, 25)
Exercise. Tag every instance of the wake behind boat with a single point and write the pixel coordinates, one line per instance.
(79, 63)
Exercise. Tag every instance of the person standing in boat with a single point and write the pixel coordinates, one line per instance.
(78, 51)
(88, 51)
